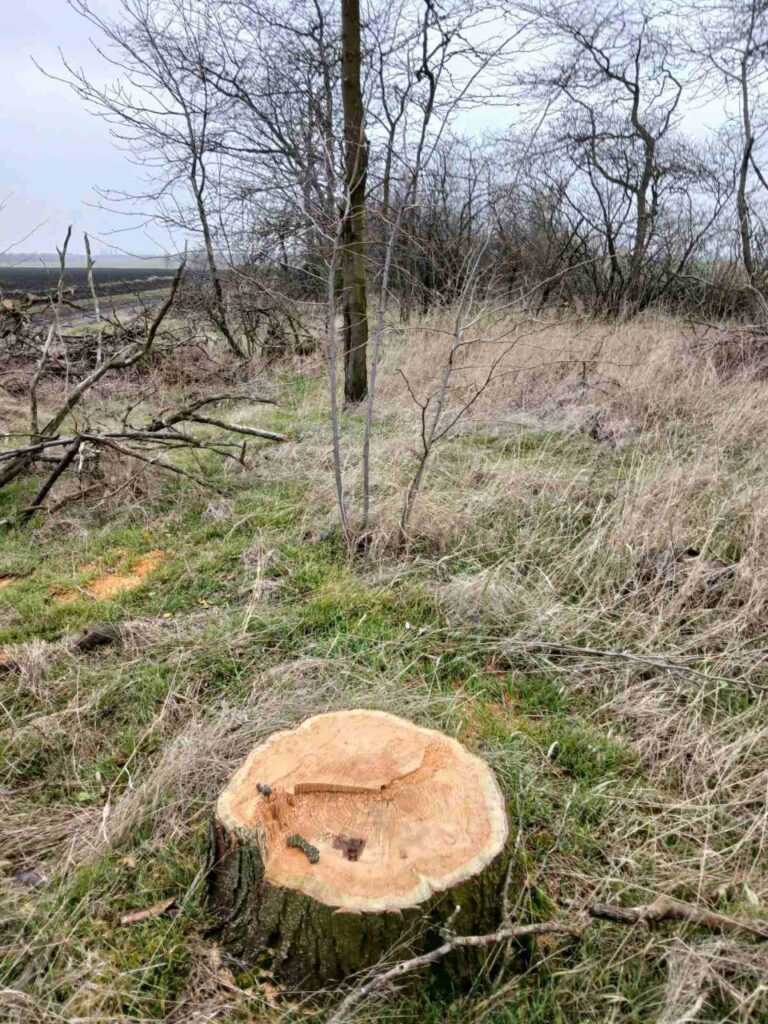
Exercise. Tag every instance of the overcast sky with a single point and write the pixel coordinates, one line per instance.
(52, 152)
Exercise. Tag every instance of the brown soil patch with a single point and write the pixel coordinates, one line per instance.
(7, 581)
(105, 586)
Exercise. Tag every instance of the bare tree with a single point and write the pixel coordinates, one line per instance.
(164, 108)
(730, 37)
(618, 82)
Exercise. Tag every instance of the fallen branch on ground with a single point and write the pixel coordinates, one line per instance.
(156, 910)
(652, 661)
(663, 908)
(135, 340)
(379, 981)
(130, 354)
(161, 432)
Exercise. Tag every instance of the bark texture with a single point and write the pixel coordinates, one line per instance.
(310, 945)
(353, 238)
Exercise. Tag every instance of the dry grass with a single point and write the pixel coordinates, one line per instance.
(588, 548)
(695, 971)
(606, 494)
(196, 764)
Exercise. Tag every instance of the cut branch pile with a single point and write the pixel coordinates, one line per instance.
(148, 443)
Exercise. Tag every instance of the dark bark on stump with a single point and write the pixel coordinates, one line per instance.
(310, 945)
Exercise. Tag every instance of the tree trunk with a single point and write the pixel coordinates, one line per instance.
(355, 171)
(644, 217)
(353, 835)
(219, 310)
(745, 231)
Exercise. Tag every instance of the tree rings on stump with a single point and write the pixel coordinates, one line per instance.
(351, 834)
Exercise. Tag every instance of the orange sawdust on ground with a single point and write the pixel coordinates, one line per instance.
(7, 581)
(102, 587)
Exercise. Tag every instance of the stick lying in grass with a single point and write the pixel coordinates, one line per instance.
(379, 981)
(663, 908)
(652, 661)
(137, 916)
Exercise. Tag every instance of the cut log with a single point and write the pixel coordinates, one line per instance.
(353, 834)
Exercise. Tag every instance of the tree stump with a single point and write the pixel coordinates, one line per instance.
(351, 835)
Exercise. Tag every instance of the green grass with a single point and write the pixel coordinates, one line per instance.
(84, 732)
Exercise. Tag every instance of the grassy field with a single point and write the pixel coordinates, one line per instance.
(583, 603)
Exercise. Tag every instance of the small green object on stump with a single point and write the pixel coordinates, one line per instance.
(311, 851)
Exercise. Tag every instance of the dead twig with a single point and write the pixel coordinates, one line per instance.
(650, 660)
(416, 963)
(663, 908)
(62, 465)
(137, 916)
(95, 298)
(238, 428)
(156, 461)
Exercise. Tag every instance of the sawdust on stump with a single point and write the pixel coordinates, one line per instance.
(334, 838)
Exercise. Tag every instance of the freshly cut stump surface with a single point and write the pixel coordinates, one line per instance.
(334, 839)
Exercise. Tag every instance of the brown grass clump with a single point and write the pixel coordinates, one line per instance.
(29, 663)
(703, 976)
(734, 351)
